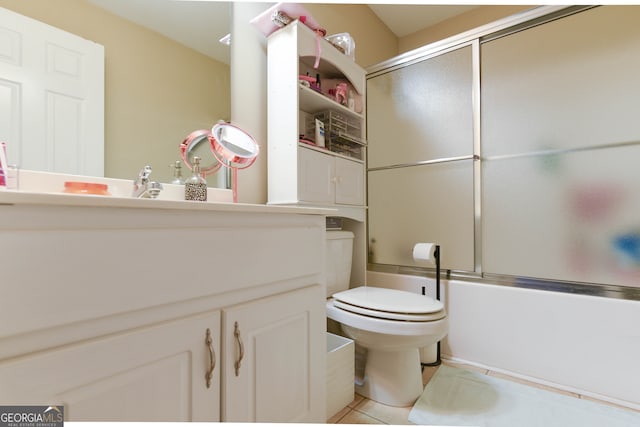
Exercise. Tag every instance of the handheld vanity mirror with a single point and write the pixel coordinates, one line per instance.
(234, 149)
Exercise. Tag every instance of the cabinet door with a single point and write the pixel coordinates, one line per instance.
(155, 373)
(349, 182)
(316, 172)
(280, 343)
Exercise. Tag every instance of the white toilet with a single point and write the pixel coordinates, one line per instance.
(391, 324)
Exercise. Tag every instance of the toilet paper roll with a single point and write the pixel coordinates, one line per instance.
(424, 252)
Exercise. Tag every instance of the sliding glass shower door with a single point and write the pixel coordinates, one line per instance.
(420, 160)
(560, 122)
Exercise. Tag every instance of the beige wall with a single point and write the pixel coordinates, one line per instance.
(467, 21)
(156, 90)
(374, 41)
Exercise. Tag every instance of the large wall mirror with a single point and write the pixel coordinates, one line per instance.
(165, 72)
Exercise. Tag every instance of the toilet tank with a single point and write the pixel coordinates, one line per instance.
(339, 250)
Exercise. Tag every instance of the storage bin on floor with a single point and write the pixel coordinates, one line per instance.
(340, 373)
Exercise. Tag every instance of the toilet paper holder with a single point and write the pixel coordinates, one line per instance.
(429, 252)
(436, 256)
(425, 251)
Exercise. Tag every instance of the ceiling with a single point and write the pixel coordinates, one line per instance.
(206, 22)
(405, 19)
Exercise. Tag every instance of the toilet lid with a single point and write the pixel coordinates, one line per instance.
(389, 304)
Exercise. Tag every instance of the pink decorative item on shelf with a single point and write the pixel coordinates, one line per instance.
(266, 24)
(308, 79)
(341, 93)
(310, 82)
(281, 15)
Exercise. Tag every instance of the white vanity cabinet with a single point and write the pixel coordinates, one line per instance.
(156, 373)
(302, 173)
(125, 309)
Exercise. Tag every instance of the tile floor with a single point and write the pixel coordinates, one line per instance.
(365, 411)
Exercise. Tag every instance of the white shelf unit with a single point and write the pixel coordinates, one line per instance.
(292, 52)
(304, 174)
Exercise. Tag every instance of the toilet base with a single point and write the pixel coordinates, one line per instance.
(393, 378)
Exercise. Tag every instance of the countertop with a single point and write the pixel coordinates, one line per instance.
(9, 197)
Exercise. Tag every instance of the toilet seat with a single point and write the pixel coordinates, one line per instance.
(389, 304)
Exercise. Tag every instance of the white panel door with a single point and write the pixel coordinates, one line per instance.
(156, 374)
(316, 177)
(51, 97)
(280, 345)
(349, 182)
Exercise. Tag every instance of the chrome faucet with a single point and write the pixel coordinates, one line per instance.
(143, 188)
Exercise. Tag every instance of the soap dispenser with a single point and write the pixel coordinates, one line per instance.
(177, 173)
(195, 188)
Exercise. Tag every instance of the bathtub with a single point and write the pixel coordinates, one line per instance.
(579, 343)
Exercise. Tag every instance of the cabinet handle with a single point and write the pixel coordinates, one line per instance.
(212, 357)
(236, 333)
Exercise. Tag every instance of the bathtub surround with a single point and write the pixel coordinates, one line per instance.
(583, 344)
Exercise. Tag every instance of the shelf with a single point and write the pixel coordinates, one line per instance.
(342, 137)
(305, 174)
(329, 152)
(314, 102)
(332, 61)
(327, 69)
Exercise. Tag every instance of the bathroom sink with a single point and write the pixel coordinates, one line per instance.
(54, 183)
